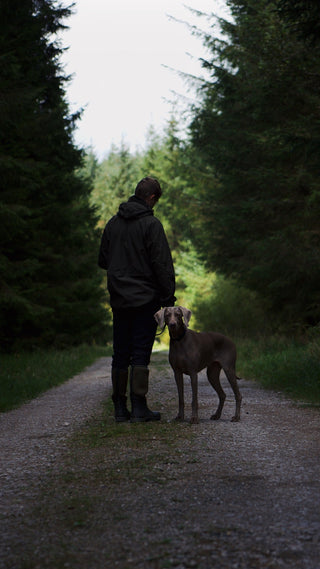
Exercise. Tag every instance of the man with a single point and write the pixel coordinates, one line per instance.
(135, 252)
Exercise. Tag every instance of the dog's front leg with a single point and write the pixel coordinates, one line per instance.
(178, 376)
(194, 405)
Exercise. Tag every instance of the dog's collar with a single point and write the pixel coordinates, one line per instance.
(180, 337)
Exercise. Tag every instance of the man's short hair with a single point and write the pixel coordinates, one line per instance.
(148, 187)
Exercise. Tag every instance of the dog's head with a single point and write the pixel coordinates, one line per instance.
(176, 317)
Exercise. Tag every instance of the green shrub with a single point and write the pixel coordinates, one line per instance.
(230, 309)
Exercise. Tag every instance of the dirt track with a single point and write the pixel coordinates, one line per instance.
(79, 491)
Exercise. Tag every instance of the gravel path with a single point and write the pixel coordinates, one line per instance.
(79, 491)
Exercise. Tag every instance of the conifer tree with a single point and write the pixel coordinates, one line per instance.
(115, 181)
(303, 16)
(50, 290)
(258, 127)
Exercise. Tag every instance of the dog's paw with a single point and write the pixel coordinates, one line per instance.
(235, 419)
(215, 416)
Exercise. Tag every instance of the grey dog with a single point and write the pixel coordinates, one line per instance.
(190, 352)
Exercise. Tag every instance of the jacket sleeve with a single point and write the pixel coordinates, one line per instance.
(161, 263)
(103, 259)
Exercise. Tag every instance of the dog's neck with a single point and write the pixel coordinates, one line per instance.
(180, 336)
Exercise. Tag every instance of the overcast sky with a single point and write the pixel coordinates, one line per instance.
(118, 50)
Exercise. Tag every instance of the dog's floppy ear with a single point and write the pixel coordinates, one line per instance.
(159, 317)
(186, 315)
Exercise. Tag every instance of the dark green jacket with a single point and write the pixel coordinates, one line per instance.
(135, 252)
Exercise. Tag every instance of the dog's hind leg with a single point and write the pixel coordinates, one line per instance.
(213, 374)
(231, 375)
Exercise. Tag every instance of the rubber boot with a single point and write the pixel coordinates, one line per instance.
(139, 381)
(119, 384)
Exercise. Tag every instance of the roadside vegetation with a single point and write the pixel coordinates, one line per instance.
(283, 364)
(26, 375)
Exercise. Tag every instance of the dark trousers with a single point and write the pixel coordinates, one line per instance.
(134, 331)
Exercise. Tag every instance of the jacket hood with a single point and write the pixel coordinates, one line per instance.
(134, 208)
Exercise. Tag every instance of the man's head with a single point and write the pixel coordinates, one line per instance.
(149, 190)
